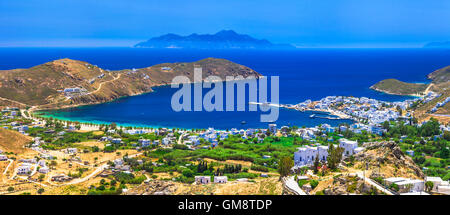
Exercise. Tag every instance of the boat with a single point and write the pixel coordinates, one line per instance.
(243, 122)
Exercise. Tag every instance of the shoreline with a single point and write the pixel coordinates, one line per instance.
(37, 108)
(397, 94)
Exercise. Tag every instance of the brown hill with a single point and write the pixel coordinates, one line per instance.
(13, 141)
(42, 85)
(396, 87)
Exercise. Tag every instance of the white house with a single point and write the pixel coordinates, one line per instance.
(71, 150)
(307, 154)
(439, 185)
(406, 185)
(44, 170)
(220, 179)
(3, 158)
(118, 162)
(23, 169)
(410, 153)
(202, 179)
(144, 142)
(411, 185)
(116, 140)
(348, 146)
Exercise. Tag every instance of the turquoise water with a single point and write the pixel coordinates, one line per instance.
(304, 74)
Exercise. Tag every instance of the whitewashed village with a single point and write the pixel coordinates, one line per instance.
(112, 159)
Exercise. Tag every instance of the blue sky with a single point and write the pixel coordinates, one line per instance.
(308, 23)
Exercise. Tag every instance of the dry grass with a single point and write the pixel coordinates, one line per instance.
(13, 141)
(266, 186)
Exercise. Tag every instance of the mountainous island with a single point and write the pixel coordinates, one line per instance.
(225, 39)
(67, 82)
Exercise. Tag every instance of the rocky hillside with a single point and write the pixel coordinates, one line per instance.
(44, 85)
(387, 159)
(440, 75)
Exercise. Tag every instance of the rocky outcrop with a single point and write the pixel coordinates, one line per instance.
(153, 187)
(389, 157)
(346, 184)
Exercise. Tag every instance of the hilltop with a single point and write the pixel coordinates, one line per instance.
(440, 79)
(225, 39)
(45, 85)
(396, 87)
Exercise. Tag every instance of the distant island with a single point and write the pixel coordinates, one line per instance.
(445, 44)
(225, 39)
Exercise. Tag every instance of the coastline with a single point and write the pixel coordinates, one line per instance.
(399, 94)
(39, 110)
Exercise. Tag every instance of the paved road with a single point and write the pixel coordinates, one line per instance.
(181, 137)
(293, 185)
(371, 182)
(97, 171)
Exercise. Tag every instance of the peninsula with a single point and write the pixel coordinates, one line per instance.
(440, 79)
(65, 82)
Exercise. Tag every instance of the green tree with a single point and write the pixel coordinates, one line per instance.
(41, 177)
(285, 165)
(316, 164)
(429, 186)
(40, 191)
(334, 156)
(188, 173)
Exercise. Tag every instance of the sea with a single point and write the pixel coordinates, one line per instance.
(303, 74)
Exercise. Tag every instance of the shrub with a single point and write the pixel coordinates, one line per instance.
(314, 183)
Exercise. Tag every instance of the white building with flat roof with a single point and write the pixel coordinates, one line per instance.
(23, 169)
(202, 179)
(439, 185)
(220, 179)
(307, 154)
(348, 145)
